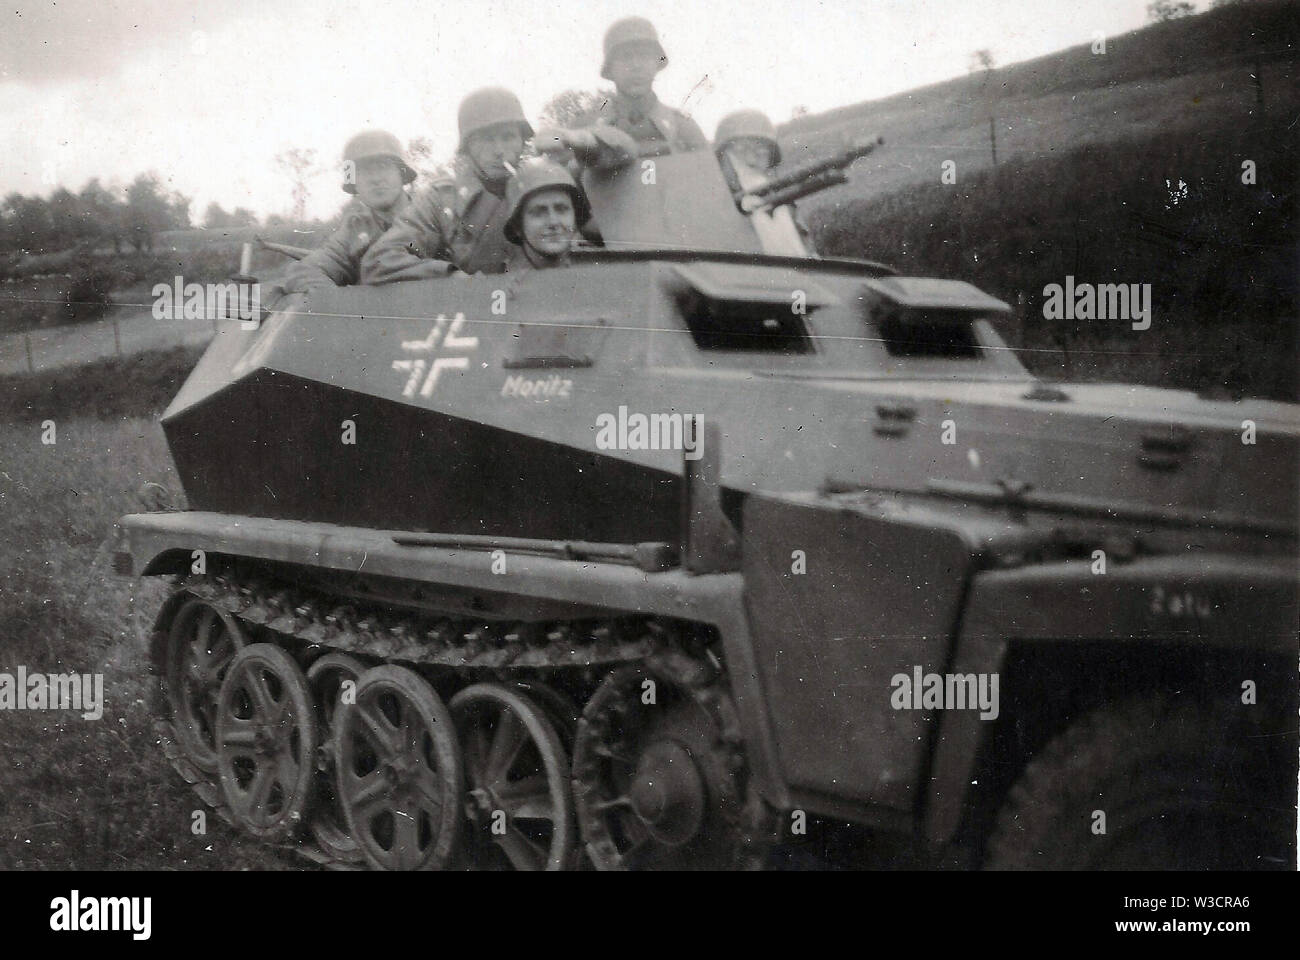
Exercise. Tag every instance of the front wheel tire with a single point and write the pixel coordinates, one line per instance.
(1147, 785)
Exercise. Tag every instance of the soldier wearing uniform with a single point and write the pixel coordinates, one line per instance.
(376, 173)
(633, 56)
(748, 138)
(547, 208)
(432, 238)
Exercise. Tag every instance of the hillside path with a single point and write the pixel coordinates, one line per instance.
(65, 346)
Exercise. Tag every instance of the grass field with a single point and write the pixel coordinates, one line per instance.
(75, 793)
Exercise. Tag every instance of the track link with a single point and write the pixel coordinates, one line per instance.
(313, 620)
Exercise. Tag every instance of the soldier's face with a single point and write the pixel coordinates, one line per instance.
(754, 152)
(379, 182)
(493, 148)
(633, 68)
(549, 222)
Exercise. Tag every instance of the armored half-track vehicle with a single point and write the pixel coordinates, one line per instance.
(675, 556)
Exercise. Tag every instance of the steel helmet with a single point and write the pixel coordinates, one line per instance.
(746, 123)
(631, 30)
(488, 107)
(372, 143)
(540, 174)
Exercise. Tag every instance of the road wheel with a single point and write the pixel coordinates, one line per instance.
(202, 642)
(517, 781)
(1174, 787)
(327, 677)
(266, 742)
(399, 771)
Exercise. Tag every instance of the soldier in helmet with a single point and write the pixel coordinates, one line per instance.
(747, 138)
(547, 208)
(431, 237)
(633, 56)
(425, 241)
(443, 183)
(376, 173)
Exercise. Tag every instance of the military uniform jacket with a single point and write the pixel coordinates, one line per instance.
(338, 259)
(657, 129)
(430, 238)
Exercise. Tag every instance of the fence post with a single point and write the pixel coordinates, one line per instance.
(117, 339)
(27, 340)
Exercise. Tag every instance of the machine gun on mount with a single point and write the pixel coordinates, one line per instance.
(799, 181)
(294, 253)
(765, 199)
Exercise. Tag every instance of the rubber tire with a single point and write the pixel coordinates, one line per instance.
(1153, 768)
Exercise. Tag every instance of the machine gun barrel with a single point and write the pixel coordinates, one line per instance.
(806, 171)
(827, 178)
(297, 253)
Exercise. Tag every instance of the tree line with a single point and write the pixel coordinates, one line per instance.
(94, 217)
(99, 216)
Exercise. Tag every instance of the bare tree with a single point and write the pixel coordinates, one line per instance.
(419, 153)
(983, 60)
(300, 165)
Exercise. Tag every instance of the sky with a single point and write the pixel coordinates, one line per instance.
(207, 94)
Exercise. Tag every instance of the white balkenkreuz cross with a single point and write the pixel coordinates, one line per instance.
(450, 334)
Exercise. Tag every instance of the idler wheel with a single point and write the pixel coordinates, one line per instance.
(517, 781)
(201, 644)
(327, 677)
(399, 772)
(658, 780)
(266, 742)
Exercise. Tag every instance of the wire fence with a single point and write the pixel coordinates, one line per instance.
(128, 329)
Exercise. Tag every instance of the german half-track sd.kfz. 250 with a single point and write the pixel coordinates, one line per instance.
(683, 553)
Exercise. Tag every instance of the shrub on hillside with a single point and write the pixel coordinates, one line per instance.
(88, 294)
(1170, 210)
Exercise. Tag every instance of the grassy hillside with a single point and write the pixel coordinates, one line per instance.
(1220, 255)
(1173, 77)
(83, 794)
(135, 386)
(1221, 45)
(1138, 179)
(88, 794)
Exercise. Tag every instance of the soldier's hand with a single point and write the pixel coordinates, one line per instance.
(549, 139)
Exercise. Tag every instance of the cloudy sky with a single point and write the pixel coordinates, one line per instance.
(208, 93)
